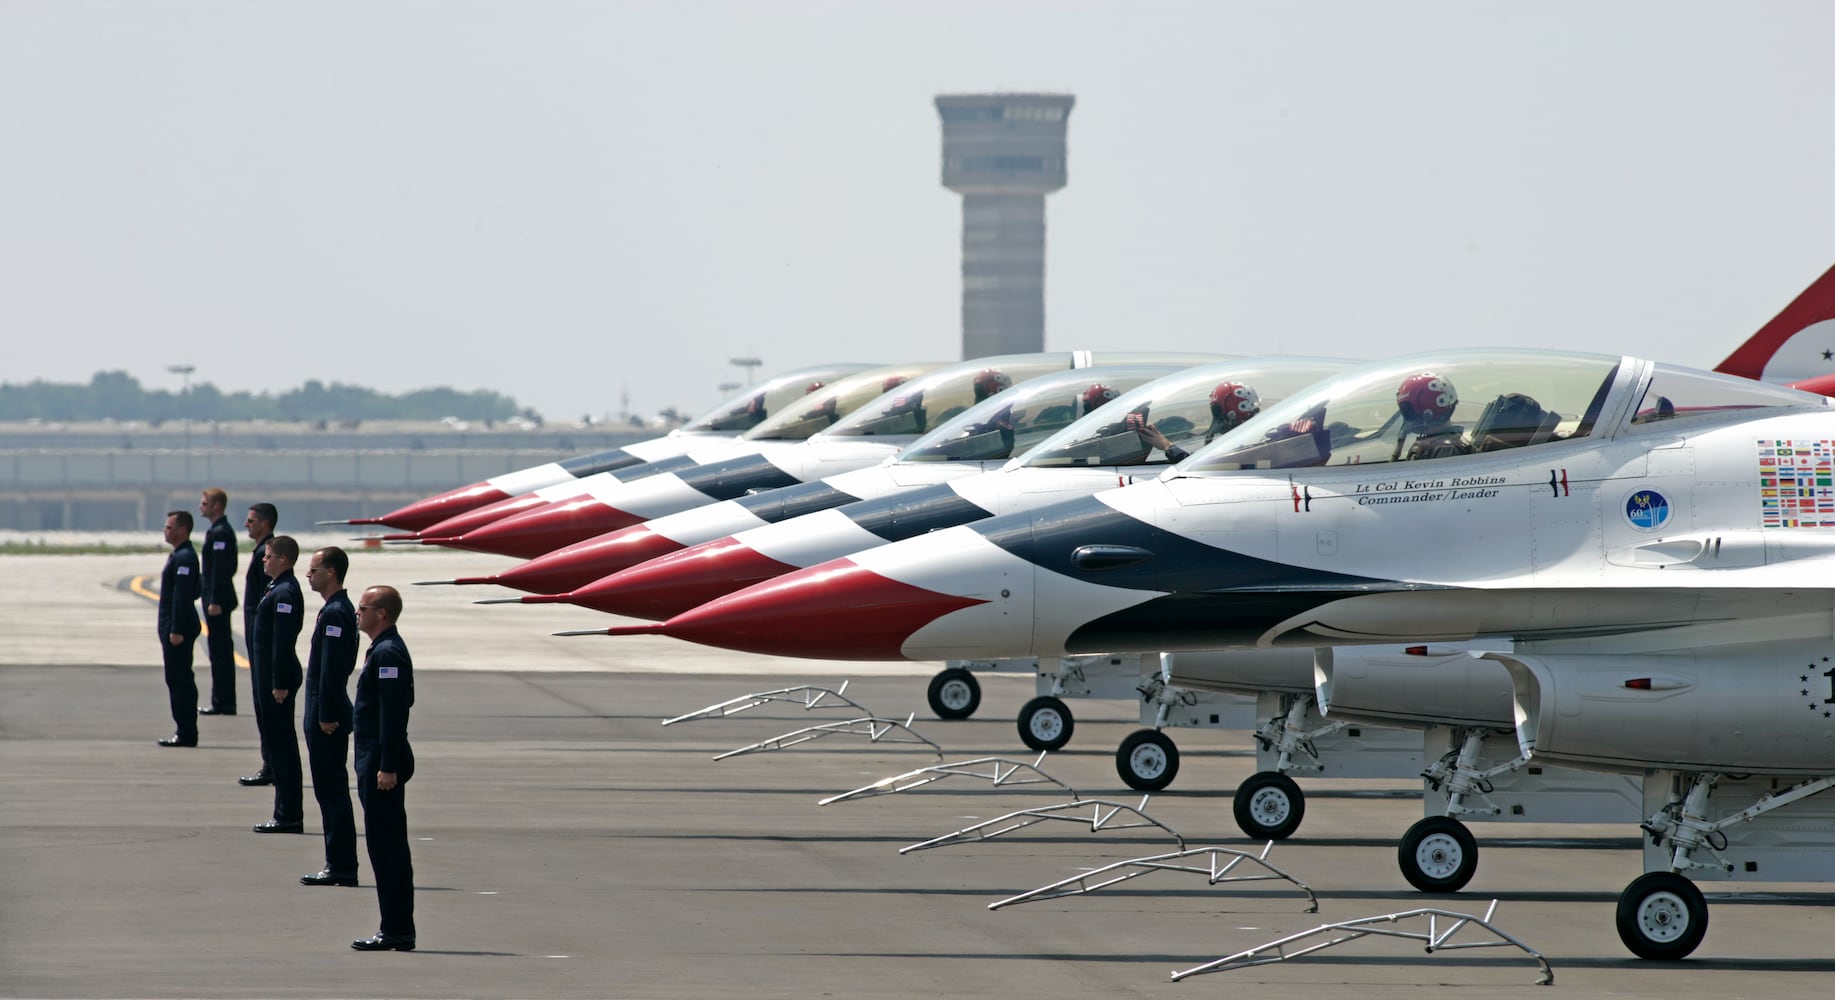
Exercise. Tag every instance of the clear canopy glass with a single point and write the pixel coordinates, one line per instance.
(1460, 403)
(749, 408)
(1179, 408)
(1012, 422)
(824, 405)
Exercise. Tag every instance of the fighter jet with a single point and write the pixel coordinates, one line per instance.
(818, 408)
(729, 419)
(1649, 540)
(1137, 437)
(986, 436)
(864, 438)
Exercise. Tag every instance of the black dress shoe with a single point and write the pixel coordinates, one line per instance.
(276, 826)
(175, 740)
(263, 777)
(216, 711)
(327, 877)
(384, 942)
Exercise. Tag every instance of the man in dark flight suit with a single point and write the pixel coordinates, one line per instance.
(326, 720)
(385, 762)
(218, 562)
(262, 518)
(178, 628)
(274, 672)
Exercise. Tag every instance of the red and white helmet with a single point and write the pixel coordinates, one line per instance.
(892, 382)
(990, 381)
(813, 386)
(1426, 398)
(1231, 404)
(1096, 395)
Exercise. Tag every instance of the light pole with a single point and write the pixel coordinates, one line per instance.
(185, 410)
(750, 365)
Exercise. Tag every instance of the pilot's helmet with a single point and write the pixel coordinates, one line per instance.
(990, 381)
(813, 386)
(1096, 395)
(1231, 404)
(755, 408)
(892, 382)
(1426, 399)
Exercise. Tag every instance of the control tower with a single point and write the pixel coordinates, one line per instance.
(1003, 153)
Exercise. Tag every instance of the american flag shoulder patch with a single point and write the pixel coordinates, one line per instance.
(334, 631)
(218, 545)
(388, 673)
(283, 608)
(184, 571)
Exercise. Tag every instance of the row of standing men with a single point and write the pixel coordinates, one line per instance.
(273, 609)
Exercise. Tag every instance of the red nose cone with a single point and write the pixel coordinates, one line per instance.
(679, 581)
(581, 563)
(835, 611)
(545, 529)
(478, 517)
(426, 513)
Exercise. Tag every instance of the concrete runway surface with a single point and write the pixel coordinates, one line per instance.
(567, 845)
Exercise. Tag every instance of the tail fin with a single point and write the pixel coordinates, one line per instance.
(1797, 345)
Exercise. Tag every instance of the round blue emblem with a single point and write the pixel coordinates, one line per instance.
(1647, 510)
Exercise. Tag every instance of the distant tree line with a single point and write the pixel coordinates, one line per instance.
(117, 395)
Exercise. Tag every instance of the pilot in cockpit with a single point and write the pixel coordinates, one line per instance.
(1426, 401)
(1231, 404)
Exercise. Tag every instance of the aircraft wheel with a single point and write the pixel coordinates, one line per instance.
(954, 694)
(1438, 854)
(1147, 760)
(1662, 916)
(1045, 723)
(1269, 806)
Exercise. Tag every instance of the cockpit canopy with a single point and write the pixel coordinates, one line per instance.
(826, 405)
(1447, 404)
(924, 404)
(1012, 422)
(1178, 406)
(749, 408)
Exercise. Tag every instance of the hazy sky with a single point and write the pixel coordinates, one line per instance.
(560, 201)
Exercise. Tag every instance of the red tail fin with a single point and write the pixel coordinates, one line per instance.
(1798, 344)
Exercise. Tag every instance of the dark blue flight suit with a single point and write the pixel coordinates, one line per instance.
(385, 692)
(274, 664)
(254, 587)
(328, 666)
(178, 615)
(219, 588)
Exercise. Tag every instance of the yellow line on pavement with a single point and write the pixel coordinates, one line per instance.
(138, 585)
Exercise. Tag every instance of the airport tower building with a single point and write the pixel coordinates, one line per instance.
(1003, 153)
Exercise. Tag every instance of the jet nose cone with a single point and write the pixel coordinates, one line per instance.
(577, 565)
(434, 509)
(545, 529)
(471, 520)
(676, 582)
(835, 611)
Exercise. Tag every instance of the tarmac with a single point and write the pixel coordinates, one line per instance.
(568, 845)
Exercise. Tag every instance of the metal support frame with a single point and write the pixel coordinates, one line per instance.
(1436, 938)
(1683, 824)
(1288, 736)
(810, 696)
(874, 728)
(1002, 772)
(1459, 774)
(1101, 814)
(1216, 872)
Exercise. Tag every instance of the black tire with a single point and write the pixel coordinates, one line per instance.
(1438, 854)
(1269, 806)
(1045, 723)
(1147, 760)
(1662, 916)
(954, 694)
